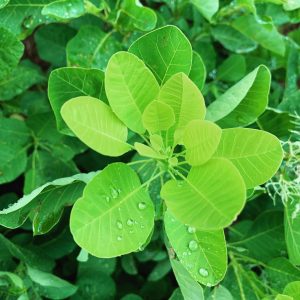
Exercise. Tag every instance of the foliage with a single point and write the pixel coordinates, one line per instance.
(149, 150)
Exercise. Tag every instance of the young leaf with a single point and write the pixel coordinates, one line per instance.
(171, 52)
(186, 100)
(190, 289)
(67, 83)
(244, 102)
(96, 125)
(201, 139)
(215, 191)
(198, 71)
(115, 210)
(202, 253)
(130, 87)
(147, 151)
(256, 154)
(206, 8)
(158, 116)
(292, 289)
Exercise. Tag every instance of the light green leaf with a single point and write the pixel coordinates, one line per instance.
(232, 69)
(202, 253)
(279, 272)
(214, 191)
(156, 142)
(51, 41)
(3, 3)
(171, 52)
(14, 138)
(10, 52)
(51, 286)
(293, 289)
(292, 229)
(25, 75)
(291, 5)
(101, 46)
(283, 297)
(64, 9)
(130, 87)
(13, 284)
(190, 289)
(264, 34)
(67, 83)
(232, 39)
(256, 154)
(48, 198)
(206, 8)
(220, 293)
(134, 15)
(147, 151)
(115, 211)
(244, 102)
(96, 125)
(186, 100)
(198, 71)
(201, 139)
(158, 116)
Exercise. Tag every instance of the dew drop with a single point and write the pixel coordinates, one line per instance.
(119, 238)
(203, 272)
(107, 198)
(193, 245)
(114, 193)
(130, 222)
(191, 229)
(142, 205)
(119, 224)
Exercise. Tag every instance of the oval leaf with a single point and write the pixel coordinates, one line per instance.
(96, 125)
(158, 116)
(115, 214)
(130, 87)
(171, 52)
(256, 154)
(202, 253)
(201, 139)
(209, 198)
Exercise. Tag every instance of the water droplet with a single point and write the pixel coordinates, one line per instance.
(130, 222)
(184, 254)
(114, 193)
(119, 238)
(193, 245)
(142, 205)
(107, 198)
(203, 272)
(142, 226)
(191, 229)
(119, 224)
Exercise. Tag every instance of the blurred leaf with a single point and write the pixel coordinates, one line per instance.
(198, 71)
(64, 9)
(206, 8)
(160, 270)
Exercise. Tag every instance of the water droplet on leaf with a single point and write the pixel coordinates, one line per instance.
(193, 245)
(130, 222)
(119, 224)
(191, 229)
(203, 272)
(142, 205)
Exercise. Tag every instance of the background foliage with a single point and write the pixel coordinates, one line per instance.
(73, 40)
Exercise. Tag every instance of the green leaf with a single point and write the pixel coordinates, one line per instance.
(3, 3)
(45, 202)
(279, 272)
(232, 39)
(25, 75)
(134, 15)
(115, 211)
(51, 41)
(206, 8)
(186, 100)
(101, 46)
(291, 5)
(202, 253)
(292, 230)
(198, 71)
(14, 138)
(292, 289)
(64, 9)
(201, 139)
(264, 33)
(50, 285)
(67, 83)
(147, 151)
(215, 191)
(158, 116)
(13, 284)
(94, 123)
(10, 52)
(232, 69)
(171, 52)
(220, 293)
(160, 270)
(130, 87)
(190, 289)
(256, 154)
(244, 102)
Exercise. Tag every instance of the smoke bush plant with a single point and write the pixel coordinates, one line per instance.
(204, 167)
